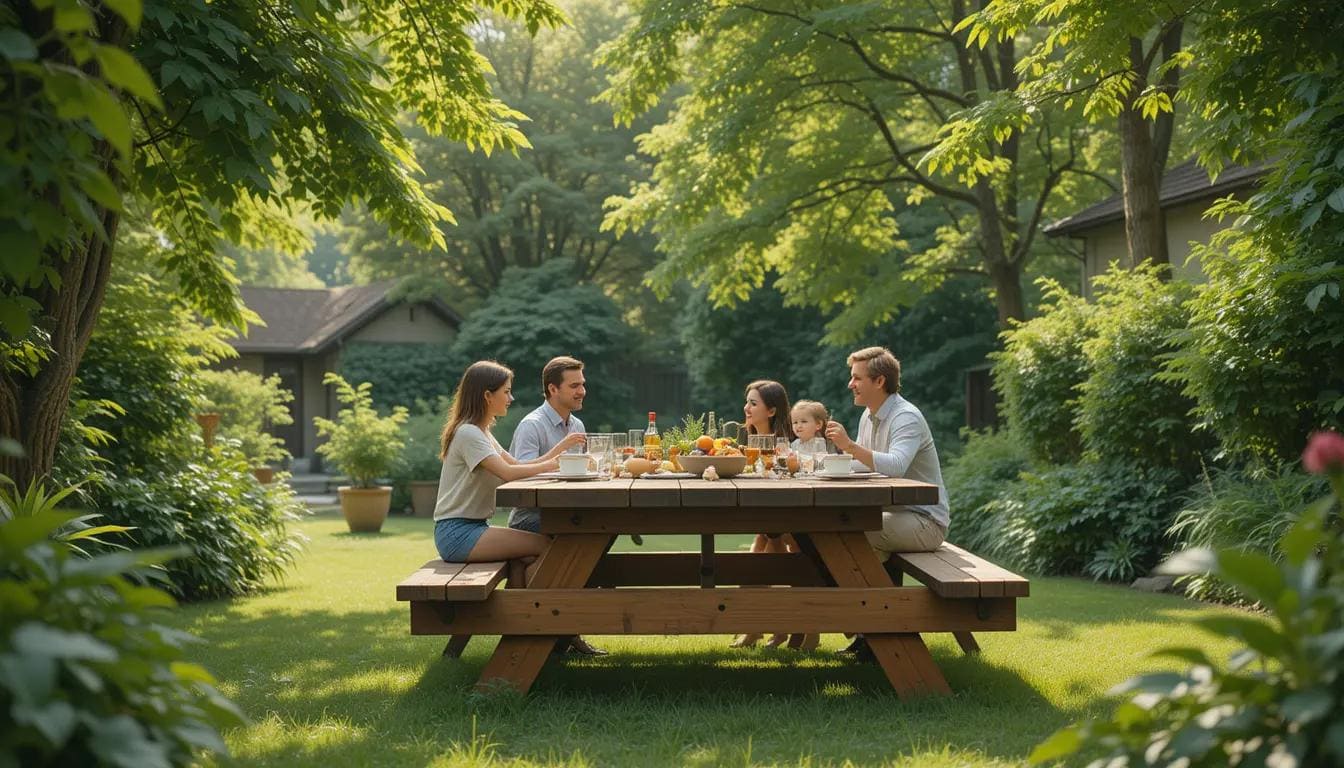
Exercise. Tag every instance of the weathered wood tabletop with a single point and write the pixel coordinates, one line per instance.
(835, 584)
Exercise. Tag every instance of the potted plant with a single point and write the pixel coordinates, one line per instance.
(420, 463)
(247, 405)
(364, 446)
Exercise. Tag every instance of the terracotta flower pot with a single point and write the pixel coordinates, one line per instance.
(365, 509)
(264, 475)
(424, 495)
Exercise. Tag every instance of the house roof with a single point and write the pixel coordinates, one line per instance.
(1184, 183)
(308, 320)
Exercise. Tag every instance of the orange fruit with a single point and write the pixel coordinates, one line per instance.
(705, 443)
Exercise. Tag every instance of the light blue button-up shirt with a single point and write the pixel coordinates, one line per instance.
(537, 433)
(902, 446)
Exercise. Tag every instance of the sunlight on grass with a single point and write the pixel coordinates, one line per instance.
(326, 668)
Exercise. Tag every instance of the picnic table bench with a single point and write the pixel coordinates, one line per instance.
(835, 584)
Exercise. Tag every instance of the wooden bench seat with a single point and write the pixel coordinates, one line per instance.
(453, 582)
(951, 571)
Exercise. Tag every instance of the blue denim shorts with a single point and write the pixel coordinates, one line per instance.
(455, 536)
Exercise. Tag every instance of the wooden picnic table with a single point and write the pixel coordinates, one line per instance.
(835, 584)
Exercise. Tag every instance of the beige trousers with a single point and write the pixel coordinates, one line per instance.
(905, 531)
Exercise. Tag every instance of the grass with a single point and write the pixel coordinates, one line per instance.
(326, 669)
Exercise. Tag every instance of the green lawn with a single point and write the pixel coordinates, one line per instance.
(326, 669)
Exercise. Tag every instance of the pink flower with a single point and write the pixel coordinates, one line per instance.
(1324, 453)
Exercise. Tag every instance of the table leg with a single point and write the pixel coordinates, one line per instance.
(567, 562)
(903, 656)
(456, 644)
(707, 560)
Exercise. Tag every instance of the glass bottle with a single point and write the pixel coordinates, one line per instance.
(652, 442)
(712, 429)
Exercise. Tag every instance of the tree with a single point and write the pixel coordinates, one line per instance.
(797, 150)
(522, 209)
(542, 312)
(1122, 60)
(258, 107)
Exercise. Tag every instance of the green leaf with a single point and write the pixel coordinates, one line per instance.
(22, 252)
(1256, 633)
(1308, 706)
(1061, 743)
(42, 640)
(15, 318)
(1192, 655)
(1315, 295)
(55, 720)
(1255, 572)
(122, 70)
(71, 16)
(121, 741)
(16, 46)
(130, 10)
(1200, 560)
(99, 187)
(1311, 216)
(1156, 682)
(28, 679)
(1336, 199)
(109, 118)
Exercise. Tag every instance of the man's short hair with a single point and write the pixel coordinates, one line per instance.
(880, 363)
(554, 373)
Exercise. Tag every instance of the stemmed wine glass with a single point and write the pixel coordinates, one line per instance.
(599, 450)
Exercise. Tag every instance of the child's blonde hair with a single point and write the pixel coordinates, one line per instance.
(812, 408)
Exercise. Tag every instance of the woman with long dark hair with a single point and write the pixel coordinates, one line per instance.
(765, 411)
(474, 465)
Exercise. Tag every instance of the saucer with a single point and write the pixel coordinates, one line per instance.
(846, 475)
(577, 478)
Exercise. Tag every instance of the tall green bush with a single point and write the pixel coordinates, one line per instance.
(1264, 355)
(88, 675)
(248, 405)
(989, 463)
(131, 440)
(1104, 520)
(1039, 370)
(1125, 411)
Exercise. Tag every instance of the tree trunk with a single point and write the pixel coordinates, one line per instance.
(1145, 225)
(1006, 277)
(32, 409)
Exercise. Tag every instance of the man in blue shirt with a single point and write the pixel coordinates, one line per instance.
(563, 386)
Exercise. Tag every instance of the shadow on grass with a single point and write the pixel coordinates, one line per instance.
(653, 701)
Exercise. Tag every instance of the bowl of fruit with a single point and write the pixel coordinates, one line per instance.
(723, 454)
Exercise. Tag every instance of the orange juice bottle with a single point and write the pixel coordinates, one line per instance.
(652, 442)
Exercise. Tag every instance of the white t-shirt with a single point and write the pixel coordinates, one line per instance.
(817, 444)
(466, 489)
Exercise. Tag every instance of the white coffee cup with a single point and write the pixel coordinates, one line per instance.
(836, 464)
(574, 464)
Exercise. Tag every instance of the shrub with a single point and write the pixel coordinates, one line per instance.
(1263, 361)
(87, 676)
(362, 444)
(420, 454)
(988, 463)
(234, 528)
(1105, 520)
(1125, 412)
(403, 373)
(1278, 701)
(1038, 373)
(1245, 509)
(248, 406)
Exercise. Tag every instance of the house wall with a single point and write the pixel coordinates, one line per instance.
(406, 323)
(1185, 225)
(318, 399)
(250, 362)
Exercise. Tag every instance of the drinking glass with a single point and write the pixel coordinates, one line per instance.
(782, 451)
(806, 462)
(599, 448)
(636, 442)
(762, 447)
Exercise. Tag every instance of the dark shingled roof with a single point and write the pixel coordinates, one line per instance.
(1184, 183)
(307, 320)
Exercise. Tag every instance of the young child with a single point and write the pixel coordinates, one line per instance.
(809, 424)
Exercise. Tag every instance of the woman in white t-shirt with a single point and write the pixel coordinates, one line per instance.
(474, 465)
